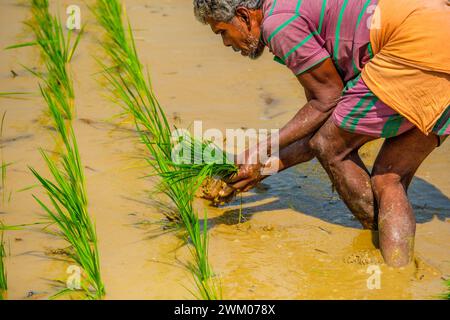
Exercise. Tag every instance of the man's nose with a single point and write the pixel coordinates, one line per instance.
(226, 41)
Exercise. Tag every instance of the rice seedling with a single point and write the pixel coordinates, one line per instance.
(10, 94)
(3, 274)
(3, 173)
(109, 16)
(3, 277)
(4, 165)
(66, 190)
(447, 295)
(67, 195)
(179, 182)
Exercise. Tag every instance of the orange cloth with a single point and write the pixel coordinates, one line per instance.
(410, 71)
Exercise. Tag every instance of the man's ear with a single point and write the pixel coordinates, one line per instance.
(244, 14)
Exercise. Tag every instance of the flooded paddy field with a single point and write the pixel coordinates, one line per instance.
(296, 239)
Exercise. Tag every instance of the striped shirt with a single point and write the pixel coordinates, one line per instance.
(303, 33)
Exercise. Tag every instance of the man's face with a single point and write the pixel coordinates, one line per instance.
(242, 33)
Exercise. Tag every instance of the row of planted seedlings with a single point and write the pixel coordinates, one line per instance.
(67, 204)
(132, 89)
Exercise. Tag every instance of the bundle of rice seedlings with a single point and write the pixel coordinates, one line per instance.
(179, 182)
(66, 190)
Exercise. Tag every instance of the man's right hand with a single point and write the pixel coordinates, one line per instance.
(247, 177)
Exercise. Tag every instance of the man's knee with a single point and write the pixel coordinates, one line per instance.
(384, 176)
(382, 182)
(332, 145)
(322, 148)
(315, 143)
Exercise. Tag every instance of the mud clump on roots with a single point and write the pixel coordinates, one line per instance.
(210, 189)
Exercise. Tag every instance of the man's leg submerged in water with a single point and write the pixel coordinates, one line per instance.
(396, 164)
(394, 168)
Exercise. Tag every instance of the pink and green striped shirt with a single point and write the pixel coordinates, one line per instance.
(303, 33)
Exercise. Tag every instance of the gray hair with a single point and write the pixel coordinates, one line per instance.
(221, 10)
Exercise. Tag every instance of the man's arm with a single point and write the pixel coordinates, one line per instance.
(299, 151)
(323, 87)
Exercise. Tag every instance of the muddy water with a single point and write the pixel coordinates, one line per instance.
(296, 240)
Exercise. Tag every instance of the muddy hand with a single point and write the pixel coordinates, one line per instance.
(247, 177)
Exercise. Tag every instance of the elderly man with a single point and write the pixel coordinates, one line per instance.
(370, 69)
